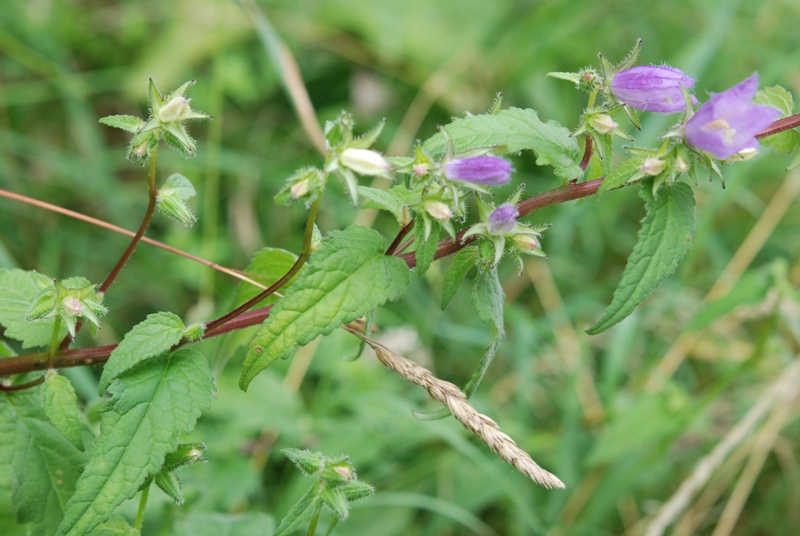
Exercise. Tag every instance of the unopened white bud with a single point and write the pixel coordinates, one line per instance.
(526, 242)
(175, 110)
(603, 123)
(438, 210)
(681, 165)
(72, 306)
(364, 161)
(299, 189)
(653, 166)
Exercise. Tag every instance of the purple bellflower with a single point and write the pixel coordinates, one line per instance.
(502, 219)
(652, 88)
(485, 170)
(728, 122)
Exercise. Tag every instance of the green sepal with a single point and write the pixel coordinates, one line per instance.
(308, 461)
(171, 485)
(125, 122)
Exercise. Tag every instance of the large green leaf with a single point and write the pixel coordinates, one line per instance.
(152, 337)
(347, 277)
(149, 409)
(37, 462)
(514, 130)
(60, 404)
(664, 239)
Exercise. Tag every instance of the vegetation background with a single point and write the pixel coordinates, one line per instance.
(623, 418)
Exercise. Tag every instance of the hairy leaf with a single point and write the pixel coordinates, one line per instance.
(269, 265)
(425, 248)
(18, 289)
(462, 262)
(664, 239)
(393, 200)
(125, 122)
(488, 298)
(60, 404)
(514, 130)
(622, 174)
(150, 407)
(303, 511)
(787, 141)
(347, 277)
(152, 337)
(37, 462)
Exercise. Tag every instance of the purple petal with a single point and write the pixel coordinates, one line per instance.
(502, 219)
(652, 88)
(486, 170)
(728, 123)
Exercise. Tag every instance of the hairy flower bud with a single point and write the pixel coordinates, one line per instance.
(364, 161)
(486, 170)
(438, 210)
(502, 219)
(603, 123)
(526, 242)
(652, 88)
(175, 110)
(727, 124)
(653, 166)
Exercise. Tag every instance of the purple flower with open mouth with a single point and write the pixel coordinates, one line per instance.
(728, 122)
(486, 170)
(652, 88)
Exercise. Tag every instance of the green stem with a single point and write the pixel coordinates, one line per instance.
(309, 234)
(140, 513)
(54, 341)
(312, 527)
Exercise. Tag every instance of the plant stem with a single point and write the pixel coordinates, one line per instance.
(312, 527)
(140, 513)
(304, 254)
(54, 340)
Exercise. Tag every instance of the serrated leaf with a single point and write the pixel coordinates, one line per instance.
(115, 526)
(488, 298)
(125, 122)
(152, 337)
(777, 97)
(664, 239)
(393, 200)
(303, 511)
(784, 142)
(150, 407)
(347, 277)
(18, 289)
(622, 174)
(214, 524)
(269, 264)
(36, 462)
(516, 130)
(425, 248)
(462, 262)
(60, 404)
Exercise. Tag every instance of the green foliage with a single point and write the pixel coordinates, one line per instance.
(269, 265)
(210, 524)
(37, 463)
(149, 408)
(788, 141)
(425, 246)
(347, 277)
(152, 337)
(488, 298)
(461, 263)
(60, 404)
(514, 130)
(664, 239)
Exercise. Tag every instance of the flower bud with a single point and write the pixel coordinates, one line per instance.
(502, 219)
(603, 123)
(652, 88)
(420, 170)
(653, 166)
(299, 189)
(364, 161)
(681, 165)
(72, 306)
(526, 242)
(175, 110)
(486, 170)
(438, 210)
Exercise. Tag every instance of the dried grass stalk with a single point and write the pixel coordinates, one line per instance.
(456, 401)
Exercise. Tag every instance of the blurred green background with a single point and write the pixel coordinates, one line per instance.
(623, 418)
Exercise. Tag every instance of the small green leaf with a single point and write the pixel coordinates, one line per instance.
(19, 290)
(170, 484)
(347, 277)
(60, 404)
(664, 239)
(394, 200)
(356, 490)
(150, 407)
(269, 265)
(514, 130)
(488, 298)
(37, 463)
(622, 174)
(304, 510)
(308, 461)
(152, 337)
(125, 122)
(462, 262)
(777, 97)
(425, 248)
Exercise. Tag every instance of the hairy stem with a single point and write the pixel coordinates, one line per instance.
(140, 513)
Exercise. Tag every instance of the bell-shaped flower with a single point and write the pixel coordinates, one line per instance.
(484, 170)
(502, 219)
(728, 123)
(652, 88)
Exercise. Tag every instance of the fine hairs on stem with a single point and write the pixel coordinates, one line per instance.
(456, 401)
